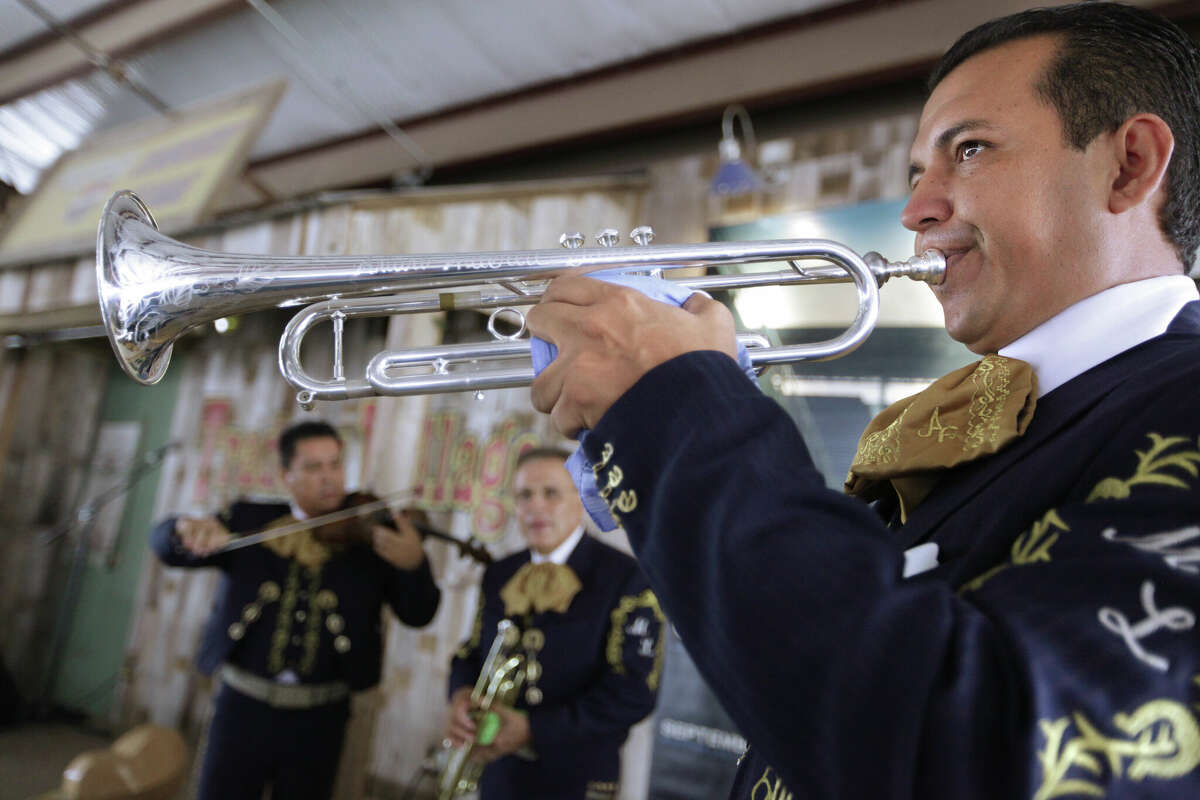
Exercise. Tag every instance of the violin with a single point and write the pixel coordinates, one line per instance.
(356, 529)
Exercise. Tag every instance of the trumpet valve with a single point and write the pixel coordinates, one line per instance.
(642, 235)
(571, 241)
(608, 237)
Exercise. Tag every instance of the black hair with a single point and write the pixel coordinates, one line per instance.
(1113, 61)
(302, 430)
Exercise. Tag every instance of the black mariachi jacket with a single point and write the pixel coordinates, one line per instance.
(601, 664)
(1053, 652)
(273, 613)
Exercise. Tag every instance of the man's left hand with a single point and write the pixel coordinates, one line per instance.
(514, 734)
(401, 548)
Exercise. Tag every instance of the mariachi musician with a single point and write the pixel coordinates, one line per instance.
(590, 633)
(296, 627)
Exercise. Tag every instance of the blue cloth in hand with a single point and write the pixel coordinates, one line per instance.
(542, 353)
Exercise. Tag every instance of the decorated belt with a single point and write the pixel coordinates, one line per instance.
(282, 695)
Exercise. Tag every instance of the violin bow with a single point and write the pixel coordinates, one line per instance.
(360, 510)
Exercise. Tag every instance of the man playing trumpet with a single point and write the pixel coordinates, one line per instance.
(1015, 616)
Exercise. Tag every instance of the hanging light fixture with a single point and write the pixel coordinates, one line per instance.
(735, 175)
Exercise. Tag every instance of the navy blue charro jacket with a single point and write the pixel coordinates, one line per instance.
(1054, 652)
(601, 664)
(274, 614)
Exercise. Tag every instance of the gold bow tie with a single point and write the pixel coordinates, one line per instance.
(972, 412)
(540, 587)
(301, 545)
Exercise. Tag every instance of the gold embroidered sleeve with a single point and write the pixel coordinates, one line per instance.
(635, 638)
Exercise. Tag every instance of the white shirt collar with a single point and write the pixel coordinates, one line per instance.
(560, 554)
(1101, 326)
(297, 513)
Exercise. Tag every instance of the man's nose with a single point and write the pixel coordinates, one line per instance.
(928, 205)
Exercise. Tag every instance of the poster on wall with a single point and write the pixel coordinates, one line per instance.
(177, 163)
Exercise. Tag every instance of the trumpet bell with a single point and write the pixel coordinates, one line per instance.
(141, 336)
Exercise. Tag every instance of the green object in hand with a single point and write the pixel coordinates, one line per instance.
(489, 726)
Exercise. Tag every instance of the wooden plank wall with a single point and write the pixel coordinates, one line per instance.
(50, 398)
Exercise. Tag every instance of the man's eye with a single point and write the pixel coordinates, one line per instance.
(968, 150)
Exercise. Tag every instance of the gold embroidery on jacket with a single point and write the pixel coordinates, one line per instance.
(1151, 468)
(615, 476)
(287, 610)
(626, 501)
(1030, 547)
(606, 454)
(312, 618)
(766, 789)
(1160, 740)
(616, 635)
(601, 790)
(279, 640)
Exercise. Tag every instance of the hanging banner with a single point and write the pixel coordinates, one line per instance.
(177, 163)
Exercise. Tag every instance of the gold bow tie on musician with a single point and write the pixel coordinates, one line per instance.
(536, 588)
(969, 413)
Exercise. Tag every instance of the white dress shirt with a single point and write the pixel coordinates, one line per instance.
(560, 554)
(1099, 327)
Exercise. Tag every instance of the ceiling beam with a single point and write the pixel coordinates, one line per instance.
(868, 44)
(119, 29)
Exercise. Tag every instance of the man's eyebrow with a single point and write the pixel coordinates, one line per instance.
(944, 138)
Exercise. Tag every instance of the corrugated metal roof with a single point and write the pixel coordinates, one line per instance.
(353, 64)
(36, 130)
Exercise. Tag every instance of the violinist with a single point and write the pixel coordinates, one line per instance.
(296, 627)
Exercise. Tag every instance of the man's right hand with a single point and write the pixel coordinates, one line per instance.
(460, 729)
(608, 337)
(201, 535)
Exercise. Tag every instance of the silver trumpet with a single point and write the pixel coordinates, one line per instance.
(153, 289)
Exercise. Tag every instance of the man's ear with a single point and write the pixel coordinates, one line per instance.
(1143, 146)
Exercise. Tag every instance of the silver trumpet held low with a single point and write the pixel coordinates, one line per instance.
(153, 289)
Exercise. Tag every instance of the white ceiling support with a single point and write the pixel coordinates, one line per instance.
(122, 32)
